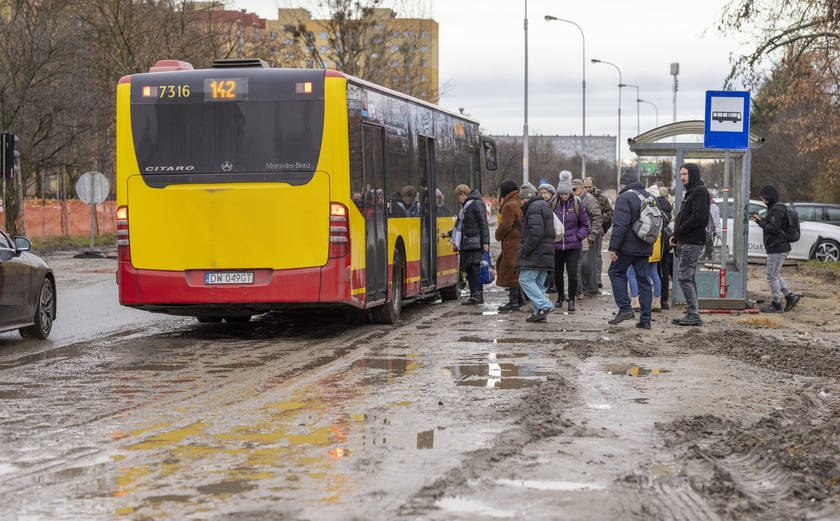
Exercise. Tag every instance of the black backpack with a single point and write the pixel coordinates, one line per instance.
(792, 231)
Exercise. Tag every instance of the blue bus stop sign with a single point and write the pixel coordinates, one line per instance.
(727, 122)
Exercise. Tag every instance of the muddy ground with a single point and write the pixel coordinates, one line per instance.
(748, 428)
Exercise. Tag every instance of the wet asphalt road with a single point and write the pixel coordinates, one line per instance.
(130, 415)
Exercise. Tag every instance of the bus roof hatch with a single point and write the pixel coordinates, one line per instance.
(226, 63)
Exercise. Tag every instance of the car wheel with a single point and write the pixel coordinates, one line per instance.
(44, 313)
(827, 250)
(238, 319)
(208, 320)
(389, 313)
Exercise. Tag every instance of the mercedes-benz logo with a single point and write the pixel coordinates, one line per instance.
(227, 166)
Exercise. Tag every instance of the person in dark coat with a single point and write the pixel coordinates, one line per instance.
(509, 233)
(627, 249)
(666, 261)
(773, 226)
(688, 239)
(474, 240)
(536, 251)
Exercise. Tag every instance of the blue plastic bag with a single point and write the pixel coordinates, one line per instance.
(488, 274)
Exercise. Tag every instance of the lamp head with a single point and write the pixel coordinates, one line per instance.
(549, 18)
(595, 60)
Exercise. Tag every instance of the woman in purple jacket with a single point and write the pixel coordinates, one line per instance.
(570, 211)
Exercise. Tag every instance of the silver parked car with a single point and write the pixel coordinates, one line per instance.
(27, 289)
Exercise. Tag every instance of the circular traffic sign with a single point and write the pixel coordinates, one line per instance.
(93, 187)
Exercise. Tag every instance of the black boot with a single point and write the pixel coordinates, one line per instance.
(513, 301)
(571, 305)
(561, 298)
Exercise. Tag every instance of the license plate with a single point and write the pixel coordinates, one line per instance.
(229, 277)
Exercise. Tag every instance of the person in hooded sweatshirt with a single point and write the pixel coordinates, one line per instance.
(773, 226)
(689, 238)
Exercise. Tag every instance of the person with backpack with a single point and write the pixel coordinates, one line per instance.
(628, 249)
(569, 210)
(773, 225)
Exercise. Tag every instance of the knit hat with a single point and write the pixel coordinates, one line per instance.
(527, 191)
(577, 183)
(564, 186)
(629, 176)
(546, 186)
(507, 187)
(654, 191)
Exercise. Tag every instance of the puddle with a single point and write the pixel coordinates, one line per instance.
(562, 486)
(227, 487)
(491, 373)
(470, 506)
(631, 370)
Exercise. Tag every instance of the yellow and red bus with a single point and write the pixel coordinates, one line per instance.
(243, 189)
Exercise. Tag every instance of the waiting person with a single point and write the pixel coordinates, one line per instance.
(536, 251)
(508, 232)
(396, 206)
(409, 198)
(712, 231)
(572, 214)
(441, 209)
(606, 220)
(666, 260)
(589, 275)
(688, 239)
(546, 191)
(473, 239)
(627, 249)
(773, 226)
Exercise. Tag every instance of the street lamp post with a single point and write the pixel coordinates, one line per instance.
(637, 105)
(549, 18)
(654, 108)
(618, 148)
(525, 128)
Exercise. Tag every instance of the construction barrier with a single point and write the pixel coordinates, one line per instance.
(52, 218)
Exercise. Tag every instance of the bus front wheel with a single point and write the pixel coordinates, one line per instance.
(389, 313)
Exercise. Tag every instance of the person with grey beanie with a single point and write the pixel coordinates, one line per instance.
(536, 251)
(571, 212)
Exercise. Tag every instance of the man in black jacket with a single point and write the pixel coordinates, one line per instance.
(688, 239)
(627, 249)
(773, 226)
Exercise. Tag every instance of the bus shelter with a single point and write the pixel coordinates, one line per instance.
(722, 274)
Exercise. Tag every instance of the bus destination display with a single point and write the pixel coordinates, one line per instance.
(214, 89)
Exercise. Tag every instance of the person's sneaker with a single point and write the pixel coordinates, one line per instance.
(540, 315)
(791, 301)
(621, 316)
(643, 325)
(510, 306)
(473, 301)
(772, 307)
(665, 305)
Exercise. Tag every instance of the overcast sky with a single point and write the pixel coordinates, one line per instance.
(482, 61)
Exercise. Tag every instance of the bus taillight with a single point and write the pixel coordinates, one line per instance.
(123, 249)
(339, 231)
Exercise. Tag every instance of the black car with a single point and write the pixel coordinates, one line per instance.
(27, 289)
(810, 211)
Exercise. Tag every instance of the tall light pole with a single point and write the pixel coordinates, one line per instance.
(525, 128)
(654, 108)
(637, 104)
(618, 148)
(549, 18)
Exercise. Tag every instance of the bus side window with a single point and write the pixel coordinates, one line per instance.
(489, 153)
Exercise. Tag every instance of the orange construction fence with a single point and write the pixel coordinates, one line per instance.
(51, 218)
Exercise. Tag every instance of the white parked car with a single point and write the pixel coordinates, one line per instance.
(818, 240)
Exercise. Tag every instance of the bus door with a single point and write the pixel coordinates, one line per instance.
(428, 223)
(376, 235)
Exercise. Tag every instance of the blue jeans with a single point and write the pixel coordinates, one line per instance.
(653, 271)
(619, 281)
(687, 255)
(532, 282)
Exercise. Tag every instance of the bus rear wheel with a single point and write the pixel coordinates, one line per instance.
(389, 313)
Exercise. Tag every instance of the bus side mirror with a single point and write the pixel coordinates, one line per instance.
(489, 147)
